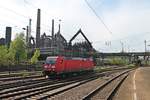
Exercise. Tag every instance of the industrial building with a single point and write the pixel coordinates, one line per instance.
(52, 44)
(7, 39)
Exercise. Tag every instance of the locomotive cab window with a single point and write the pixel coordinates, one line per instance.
(51, 60)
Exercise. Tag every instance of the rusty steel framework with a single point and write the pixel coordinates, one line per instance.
(56, 44)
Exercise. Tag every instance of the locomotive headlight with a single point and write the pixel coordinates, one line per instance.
(53, 66)
(45, 66)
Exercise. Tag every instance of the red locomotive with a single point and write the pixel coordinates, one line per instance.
(56, 65)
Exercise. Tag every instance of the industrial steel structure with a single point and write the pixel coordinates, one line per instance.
(55, 44)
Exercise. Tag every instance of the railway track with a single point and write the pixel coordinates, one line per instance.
(19, 78)
(32, 90)
(20, 81)
(30, 81)
(17, 74)
(44, 88)
(54, 90)
(17, 84)
(107, 90)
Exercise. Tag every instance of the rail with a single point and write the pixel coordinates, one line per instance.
(95, 91)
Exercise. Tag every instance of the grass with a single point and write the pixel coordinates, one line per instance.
(118, 61)
(105, 68)
(102, 69)
(131, 66)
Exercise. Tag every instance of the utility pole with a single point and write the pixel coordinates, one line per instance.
(128, 48)
(122, 46)
(145, 45)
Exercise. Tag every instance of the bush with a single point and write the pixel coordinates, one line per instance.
(3, 55)
(118, 61)
(131, 65)
(34, 59)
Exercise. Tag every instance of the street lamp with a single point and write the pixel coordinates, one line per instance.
(27, 33)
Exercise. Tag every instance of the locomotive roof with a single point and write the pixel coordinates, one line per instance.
(73, 58)
(52, 57)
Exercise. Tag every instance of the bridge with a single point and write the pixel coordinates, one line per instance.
(54, 51)
(125, 54)
(49, 51)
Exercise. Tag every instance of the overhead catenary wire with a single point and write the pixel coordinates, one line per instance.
(25, 1)
(19, 14)
(34, 6)
(125, 38)
(98, 16)
(14, 12)
(129, 42)
(46, 27)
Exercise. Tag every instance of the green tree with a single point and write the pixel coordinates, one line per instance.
(3, 55)
(17, 50)
(34, 58)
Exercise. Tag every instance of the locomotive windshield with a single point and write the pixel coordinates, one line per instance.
(51, 60)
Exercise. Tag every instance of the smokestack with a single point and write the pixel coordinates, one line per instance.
(29, 35)
(38, 29)
(8, 36)
(59, 27)
(52, 29)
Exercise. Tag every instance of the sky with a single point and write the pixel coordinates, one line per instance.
(128, 21)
